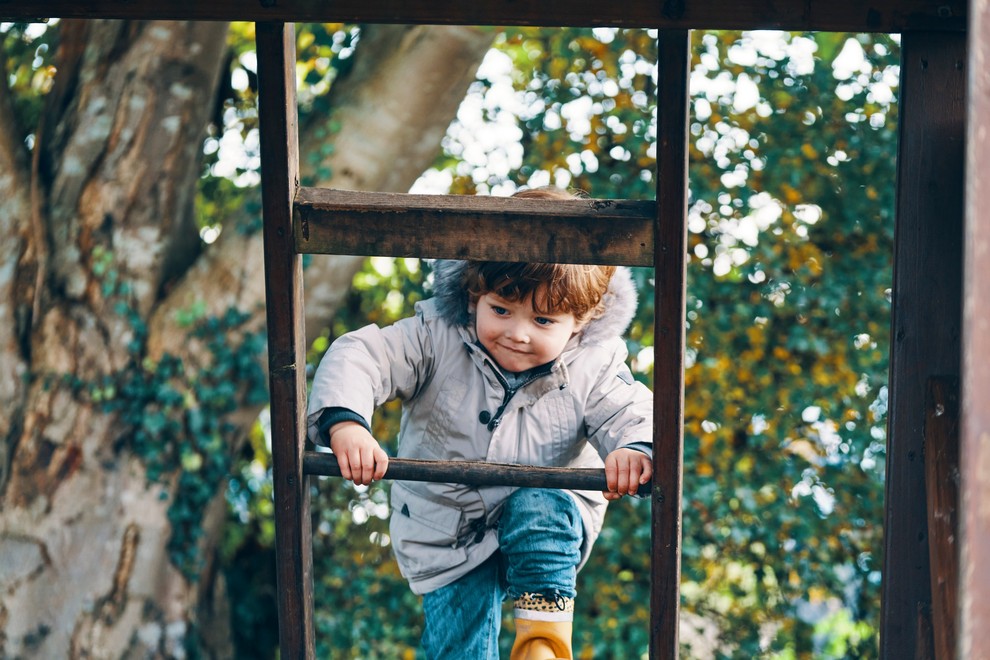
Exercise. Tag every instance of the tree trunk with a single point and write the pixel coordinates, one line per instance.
(100, 255)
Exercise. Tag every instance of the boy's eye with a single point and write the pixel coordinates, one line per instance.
(501, 311)
(542, 320)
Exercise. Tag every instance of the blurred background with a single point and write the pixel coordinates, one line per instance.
(137, 515)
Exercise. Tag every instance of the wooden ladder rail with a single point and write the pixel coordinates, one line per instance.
(279, 132)
(295, 223)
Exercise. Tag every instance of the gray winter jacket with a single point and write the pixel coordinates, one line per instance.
(457, 406)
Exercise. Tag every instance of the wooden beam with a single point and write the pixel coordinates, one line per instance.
(926, 318)
(470, 227)
(833, 15)
(475, 473)
(974, 590)
(669, 322)
(286, 337)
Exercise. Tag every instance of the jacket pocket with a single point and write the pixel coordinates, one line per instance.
(424, 535)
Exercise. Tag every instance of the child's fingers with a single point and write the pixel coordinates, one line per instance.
(345, 465)
(381, 463)
(622, 480)
(611, 474)
(633, 476)
(625, 472)
(647, 473)
(367, 469)
(355, 461)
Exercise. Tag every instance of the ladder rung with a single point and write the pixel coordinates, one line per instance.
(583, 231)
(474, 473)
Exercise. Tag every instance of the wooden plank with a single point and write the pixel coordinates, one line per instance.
(926, 318)
(834, 15)
(286, 337)
(475, 473)
(942, 488)
(471, 227)
(974, 594)
(668, 371)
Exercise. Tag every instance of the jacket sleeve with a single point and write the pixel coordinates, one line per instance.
(619, 410)
(365, 368)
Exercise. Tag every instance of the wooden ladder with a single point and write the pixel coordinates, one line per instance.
(300, 220)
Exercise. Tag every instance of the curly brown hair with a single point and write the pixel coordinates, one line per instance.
(555, 288)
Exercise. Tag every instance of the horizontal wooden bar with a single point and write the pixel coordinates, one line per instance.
(475, 473)
(592, 231)
(830, 15)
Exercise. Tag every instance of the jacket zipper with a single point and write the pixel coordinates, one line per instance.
(496, 419)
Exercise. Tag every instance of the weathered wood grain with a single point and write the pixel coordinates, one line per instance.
(471, 227)
(286, 337)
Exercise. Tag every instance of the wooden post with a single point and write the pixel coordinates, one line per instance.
(668, 375)
(286, 336)
(925, 320)
(974, 597)
(942, 488)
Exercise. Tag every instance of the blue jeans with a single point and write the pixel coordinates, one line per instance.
(540, 534)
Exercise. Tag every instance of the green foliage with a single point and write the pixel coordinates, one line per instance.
(27, 53)
(228, 194)
(790, 242)
(586, 99)
(790, 246)
(790, 235)
(788, 314)
(789, 271)
(247, 552)
(787, 343)
(323, 54)
(174, 418)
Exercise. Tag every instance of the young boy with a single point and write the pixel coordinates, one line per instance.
(508, 363)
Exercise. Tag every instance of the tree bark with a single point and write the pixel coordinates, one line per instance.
(16, 260)
(83, 533)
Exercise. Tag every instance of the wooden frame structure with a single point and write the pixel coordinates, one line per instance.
(939, 384)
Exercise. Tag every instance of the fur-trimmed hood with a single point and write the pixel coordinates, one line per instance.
(620, 301)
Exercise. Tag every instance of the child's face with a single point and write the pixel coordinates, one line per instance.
(518, 337)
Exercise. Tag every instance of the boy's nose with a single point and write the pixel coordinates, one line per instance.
(517, 333)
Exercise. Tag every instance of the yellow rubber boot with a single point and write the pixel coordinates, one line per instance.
(542, 640)
(543, 628)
